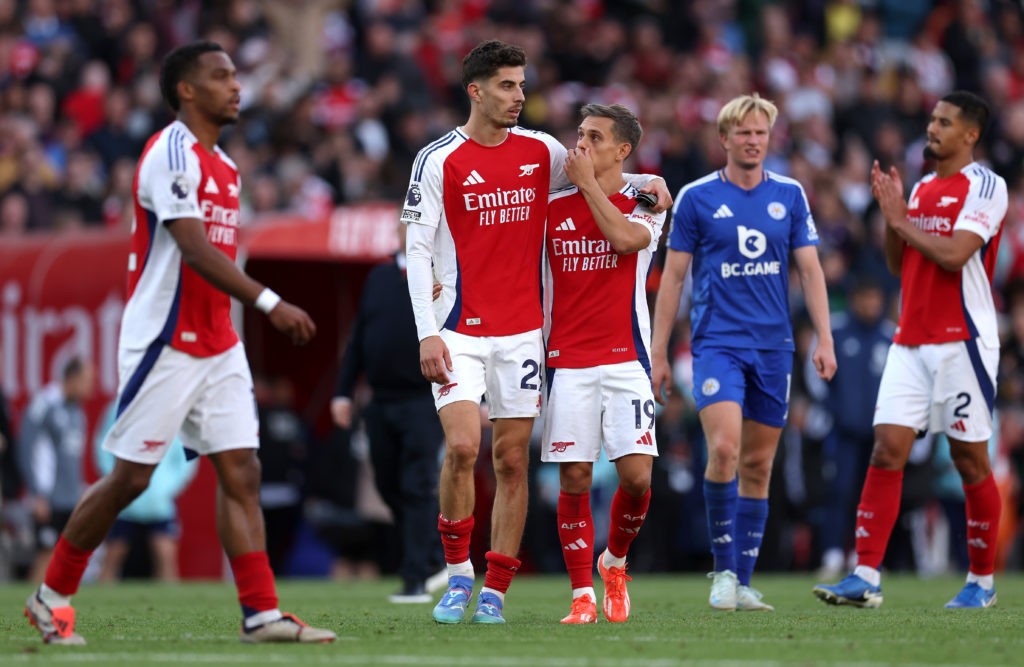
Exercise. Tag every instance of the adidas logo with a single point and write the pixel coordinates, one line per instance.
(723, 539)
(862, 532)
(959, 426)
(474, 178)
(566, 225)
(751, 553)
(211, 187)
(576, 546)
(723, 212)
(977, 543)
(646, 439)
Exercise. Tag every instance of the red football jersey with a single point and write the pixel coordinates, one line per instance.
(598, 299)
(939, 306)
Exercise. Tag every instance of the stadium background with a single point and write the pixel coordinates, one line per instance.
(337, 98)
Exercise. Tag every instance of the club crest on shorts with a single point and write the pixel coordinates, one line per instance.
(446, 389)
(710, 387)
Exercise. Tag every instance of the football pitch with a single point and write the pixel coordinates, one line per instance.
(671, 624)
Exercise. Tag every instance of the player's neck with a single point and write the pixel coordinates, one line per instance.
(610, 181)
(748, 179)
(207, 133)
(484, 133)
(953, 165)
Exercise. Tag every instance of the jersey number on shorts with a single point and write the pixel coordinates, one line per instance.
(533, 370)
(648, 409)
(960, 409)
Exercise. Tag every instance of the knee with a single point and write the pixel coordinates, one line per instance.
(129, 482)
(756, 470)
(243, 481)
(723, 457)
(575, 479)
(886, 455)
(461, 454)
(973, 466)
(510, 463)
(635, 484)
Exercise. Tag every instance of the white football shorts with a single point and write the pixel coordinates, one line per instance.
(207, 400)
(585, 408)
(945, 387)
(507, 370)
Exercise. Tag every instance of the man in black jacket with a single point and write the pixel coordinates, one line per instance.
(401, 422)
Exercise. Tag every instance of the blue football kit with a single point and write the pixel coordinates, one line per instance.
(740, 241)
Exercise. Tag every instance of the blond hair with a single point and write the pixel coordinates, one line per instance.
(733, 113)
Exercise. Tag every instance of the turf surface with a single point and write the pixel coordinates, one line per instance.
(671, 624)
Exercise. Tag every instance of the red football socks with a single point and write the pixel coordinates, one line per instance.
(876, 514)
(983, 509)
(500, 570)
(576, 533)
(66, 567)
(255, 582)
(627, 515)
(455, 538)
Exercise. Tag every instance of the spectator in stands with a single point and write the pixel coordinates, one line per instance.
(50, 450)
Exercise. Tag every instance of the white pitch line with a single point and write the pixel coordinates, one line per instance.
(255, 657)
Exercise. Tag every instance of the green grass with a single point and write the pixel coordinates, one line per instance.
(197, 624)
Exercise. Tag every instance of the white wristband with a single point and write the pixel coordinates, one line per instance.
(267, 300)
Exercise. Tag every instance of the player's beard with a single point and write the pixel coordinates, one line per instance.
(929, 152)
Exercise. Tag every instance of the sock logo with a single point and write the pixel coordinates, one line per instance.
(751, 553)
(982, 525)
(574, 525)
(977, 543)
(576, 546)
(723, 539)
(629, 531)
(865, 514)
(638, 517)
(862, 532)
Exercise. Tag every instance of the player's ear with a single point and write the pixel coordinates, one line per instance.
(473, 90)
(185, 91)
(624, 151)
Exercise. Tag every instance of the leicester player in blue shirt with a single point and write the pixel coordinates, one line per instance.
(738, 226)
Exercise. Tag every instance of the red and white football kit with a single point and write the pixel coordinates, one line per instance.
(180, 363)
(598, 348)
(477, 213)
(941, 370)
(475, 217)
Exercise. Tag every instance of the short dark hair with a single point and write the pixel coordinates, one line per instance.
(973, 109)
(625, 125)
(488, 57)
(72, 368)
(179, 64)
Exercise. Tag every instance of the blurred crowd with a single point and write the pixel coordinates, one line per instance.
(339, 95)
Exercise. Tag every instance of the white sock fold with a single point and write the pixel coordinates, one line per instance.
(612, 561)
(587, 590)
(499, 594)
(52, 598)
(868, 574)
(464, 569)
(261, 618)
(986, 581)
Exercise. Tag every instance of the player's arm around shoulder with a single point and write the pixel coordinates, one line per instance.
(217, 269)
